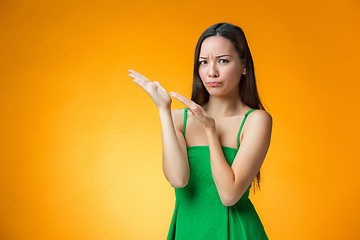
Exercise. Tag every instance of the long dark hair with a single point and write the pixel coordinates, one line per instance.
(247, 87)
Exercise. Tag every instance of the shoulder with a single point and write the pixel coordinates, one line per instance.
(178, 118)
(260, 115)
(177, 114)
(259, 119)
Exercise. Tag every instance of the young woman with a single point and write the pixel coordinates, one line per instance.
(211, 155)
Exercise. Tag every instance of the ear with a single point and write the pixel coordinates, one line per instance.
(244, 72)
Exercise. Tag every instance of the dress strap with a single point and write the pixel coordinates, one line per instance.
(238, 137)
(185, 117)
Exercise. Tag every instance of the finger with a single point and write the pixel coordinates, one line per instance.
(140, 78)
(195, 108)
(132, 75)
(133, 72)
(141, 82)
(137, 74)
(187, 102)
(136, 80)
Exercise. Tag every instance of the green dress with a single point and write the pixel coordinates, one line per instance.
(199, 213)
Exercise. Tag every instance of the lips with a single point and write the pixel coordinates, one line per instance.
(214, 83)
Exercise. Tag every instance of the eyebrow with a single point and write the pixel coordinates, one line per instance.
(219, 56)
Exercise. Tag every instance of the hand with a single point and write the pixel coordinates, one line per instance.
(158, 94)
(196, 109)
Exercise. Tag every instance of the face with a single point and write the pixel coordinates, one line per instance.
(220, 67)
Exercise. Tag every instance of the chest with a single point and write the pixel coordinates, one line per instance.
(227, 130)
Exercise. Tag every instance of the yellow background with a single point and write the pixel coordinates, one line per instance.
(81, 143)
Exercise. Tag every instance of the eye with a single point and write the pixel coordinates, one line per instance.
(202, 62)
(224, 61)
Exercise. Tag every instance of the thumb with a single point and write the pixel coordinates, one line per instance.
(159, 85)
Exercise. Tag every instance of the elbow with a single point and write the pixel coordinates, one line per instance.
(179, 184)
(229, 200)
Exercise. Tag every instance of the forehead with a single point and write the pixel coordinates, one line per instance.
(216, 45)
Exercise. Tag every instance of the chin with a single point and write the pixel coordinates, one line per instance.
(216, 93)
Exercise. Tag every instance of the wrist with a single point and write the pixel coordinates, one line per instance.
(210, 129)
(210, 125)
(164, 109)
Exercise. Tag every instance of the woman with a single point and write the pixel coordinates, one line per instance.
(202, 157)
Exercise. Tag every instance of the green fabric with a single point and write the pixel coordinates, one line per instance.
(238, 136)
(199, 213)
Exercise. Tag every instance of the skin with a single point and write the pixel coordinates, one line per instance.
(214, 124)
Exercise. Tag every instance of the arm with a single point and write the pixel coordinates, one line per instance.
(175, 159)
(232, 182)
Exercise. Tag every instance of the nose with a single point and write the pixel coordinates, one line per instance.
(213, 72)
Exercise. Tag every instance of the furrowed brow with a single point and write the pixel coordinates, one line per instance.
(225, 55)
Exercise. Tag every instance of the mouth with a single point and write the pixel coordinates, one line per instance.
(214, 83)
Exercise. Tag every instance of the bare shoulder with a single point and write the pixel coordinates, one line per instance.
(260, 115)
(259, 119)
(178, 118)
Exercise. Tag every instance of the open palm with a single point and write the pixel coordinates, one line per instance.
(158, 94)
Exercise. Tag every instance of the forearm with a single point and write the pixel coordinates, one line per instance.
(175, 165)
(222, 173)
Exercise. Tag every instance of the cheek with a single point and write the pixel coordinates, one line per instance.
(230, 70)
(202, 73)
(233, 73)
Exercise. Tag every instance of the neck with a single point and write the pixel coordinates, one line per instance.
(224, 106)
